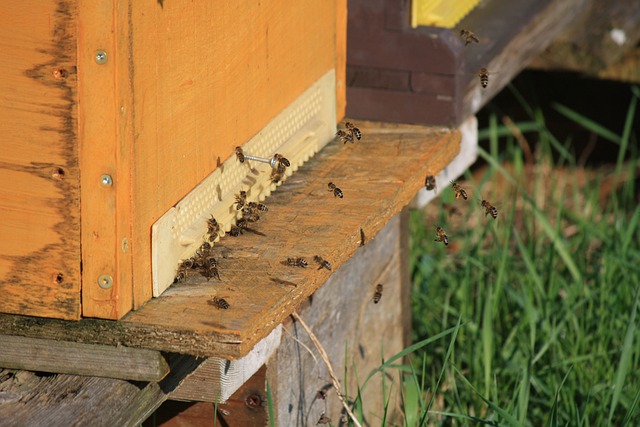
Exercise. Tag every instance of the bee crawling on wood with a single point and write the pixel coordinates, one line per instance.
(240, 154)
(296, 262)
(441, 236)
(219, 303)
(235, 231)
(353, 130)
(377, 294)
(459, 190)
(277, 173)
(345, 137)
(489, 209)
(180, 276)
(468, 37)
(282, 160)
(213, 228)
(430, 183)
(336, 191)
(259, 206)
(323, 262)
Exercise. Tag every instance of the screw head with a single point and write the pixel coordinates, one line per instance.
(105, 281)
(101, 57)
(106, 180)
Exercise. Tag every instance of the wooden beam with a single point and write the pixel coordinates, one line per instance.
(43, 355)
(32, 399)
(378, 175)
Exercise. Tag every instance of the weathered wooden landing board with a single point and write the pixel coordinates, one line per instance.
(378, 176)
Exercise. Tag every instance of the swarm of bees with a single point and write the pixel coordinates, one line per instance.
(202, 262)
(350, 134)
(336, 191)
(469, 36)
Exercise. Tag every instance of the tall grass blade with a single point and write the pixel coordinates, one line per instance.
(626, 133)
(270, 409)
(587, 123)
(487, 339)
(553, 416)
(633, 409)
(625, 356)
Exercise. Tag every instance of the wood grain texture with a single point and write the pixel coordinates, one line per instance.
(207, 76)
(42, 355)
(29, 399)
(378, 176)
(39, 171)
(349, 326)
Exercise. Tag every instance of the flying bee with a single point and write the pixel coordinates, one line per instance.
(489, 209)
(441, 236)
(344, 136)
(296, 262)
(240, 154)
(241, 199)
(468, 37)
(484, 77)
(459, 190)
(323, 262)
(353, 130)
(336, 191)
(377, 294)
(430, 183)
(282, 160)
(219, 303)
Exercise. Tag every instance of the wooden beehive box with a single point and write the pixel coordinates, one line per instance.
(113, 111)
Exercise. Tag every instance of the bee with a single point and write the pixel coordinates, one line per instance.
(240, 154)
(336, 191)
(210, 262)
(459, 190)
(219, 303)
(214, 227)
(344, 136)
(277, 173)
(377, 294)
(484, 77)
(489, 209)
(252, 217)
(189, 263)
(210, 272)
(235, 231)
(323, 262)
(353, 130)
(296, 262)
(323, 419)
(281, 160)
(321, 394)
(468, 37)
(430, 183)
(441, 236)
(362, 237)
(241, 199)
(180, 276)
(259, 206)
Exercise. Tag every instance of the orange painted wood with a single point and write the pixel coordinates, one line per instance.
(207, 76)
(341, 59)
(378, 176)
(39, 171)
(104, 149)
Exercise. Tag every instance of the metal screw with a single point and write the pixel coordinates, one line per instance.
(253, 400)
(106, 180)
(101, 57)
(105, 281)
(272, 162)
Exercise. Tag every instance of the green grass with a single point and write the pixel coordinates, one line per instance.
(543, 300)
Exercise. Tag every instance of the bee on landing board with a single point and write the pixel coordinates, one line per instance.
(213, 228)
(240, 154)
(354, 131)
(219, 303)
(336, 191)
(459, 190)
(430, 183)
(345, 137)
(296, 262)
(468, 37)
(441, 236)
(323, 262)
(489, 209)
(377, 294)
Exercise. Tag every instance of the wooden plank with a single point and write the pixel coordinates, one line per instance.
(378, 175)
(39, 174)
(42, 355)
(341, 59)
(65, 400)
(207, 77)
(345, 320)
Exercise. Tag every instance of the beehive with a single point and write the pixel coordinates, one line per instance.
(113, 111)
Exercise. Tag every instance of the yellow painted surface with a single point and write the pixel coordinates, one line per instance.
(440, 13)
